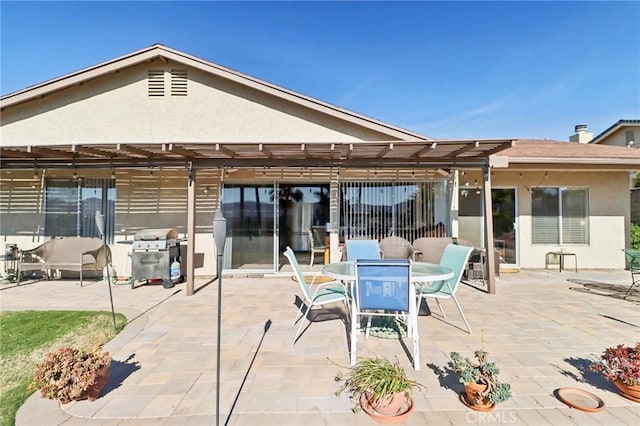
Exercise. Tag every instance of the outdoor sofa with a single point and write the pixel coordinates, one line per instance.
(64, 254)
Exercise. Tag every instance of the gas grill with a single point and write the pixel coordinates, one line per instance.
(152, 253)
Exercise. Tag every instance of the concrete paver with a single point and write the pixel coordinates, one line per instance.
(541, 328)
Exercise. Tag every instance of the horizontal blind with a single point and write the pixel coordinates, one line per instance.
(545, 216)
(575, 216)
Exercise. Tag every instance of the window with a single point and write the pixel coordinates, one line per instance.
(560, 215)
(629, 139)
(71, 205)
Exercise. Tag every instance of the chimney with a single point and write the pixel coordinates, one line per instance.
(581, 134)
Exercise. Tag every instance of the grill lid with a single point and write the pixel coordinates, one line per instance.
(156, 234)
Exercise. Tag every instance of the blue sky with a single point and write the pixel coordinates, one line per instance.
(443, 69)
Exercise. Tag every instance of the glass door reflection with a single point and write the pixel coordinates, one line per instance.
(249, 211)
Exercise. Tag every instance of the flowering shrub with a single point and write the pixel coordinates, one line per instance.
(68, 372)
(620, 362)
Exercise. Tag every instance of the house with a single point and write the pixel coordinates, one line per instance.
(162, 139)
(621, 133)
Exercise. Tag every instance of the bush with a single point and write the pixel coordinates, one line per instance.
(68, 372)
(635, 236)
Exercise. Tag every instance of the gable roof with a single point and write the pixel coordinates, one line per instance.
(403, 148)
(160, 51)
(613, 128)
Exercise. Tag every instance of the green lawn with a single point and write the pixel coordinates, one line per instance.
(25, 338)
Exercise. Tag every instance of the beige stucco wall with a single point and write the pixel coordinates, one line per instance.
(609, 210)
(117, 109)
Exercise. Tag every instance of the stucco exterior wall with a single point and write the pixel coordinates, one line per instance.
(118, 109)
(608, 208)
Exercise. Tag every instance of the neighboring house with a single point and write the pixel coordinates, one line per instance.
(621, 133)
(161, 139)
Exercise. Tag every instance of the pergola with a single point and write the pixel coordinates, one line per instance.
(394, 154)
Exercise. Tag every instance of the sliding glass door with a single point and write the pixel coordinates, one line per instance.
(264, 219)
(249, 211)
(471, 220)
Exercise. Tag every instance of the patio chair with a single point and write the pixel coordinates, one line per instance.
(315, 245)
(362, 249)
(395, 248)
(430, 249)
(314, 295)
(633, 255)
(384, 288)
(456, 258)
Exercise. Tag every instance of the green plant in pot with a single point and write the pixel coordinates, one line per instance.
(69, 374)
(483, 389)
(379, 386)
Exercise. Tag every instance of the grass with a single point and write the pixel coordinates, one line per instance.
(25, 338)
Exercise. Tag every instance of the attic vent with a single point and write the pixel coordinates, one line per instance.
(156, 82)
(178, 82)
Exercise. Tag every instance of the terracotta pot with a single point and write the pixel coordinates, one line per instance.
(390, 405)
(93, 392)
(631, 392)
(472, 389)
(405, 411)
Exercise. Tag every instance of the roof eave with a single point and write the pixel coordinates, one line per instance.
(569, 162)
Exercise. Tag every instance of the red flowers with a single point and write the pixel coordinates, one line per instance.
(620, 362)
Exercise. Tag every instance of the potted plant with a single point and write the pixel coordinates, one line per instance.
(379, 387)
(72, 374)
(621, 365)
(483, 389)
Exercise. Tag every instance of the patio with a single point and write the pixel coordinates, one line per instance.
(541, 327)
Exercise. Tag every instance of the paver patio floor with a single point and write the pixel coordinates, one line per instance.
(542, 327)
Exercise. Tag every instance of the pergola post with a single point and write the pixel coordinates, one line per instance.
(488, 230)
(191, 229)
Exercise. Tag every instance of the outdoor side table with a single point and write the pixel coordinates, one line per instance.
(561, 255)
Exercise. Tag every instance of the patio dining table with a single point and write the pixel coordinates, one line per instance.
(421, 273)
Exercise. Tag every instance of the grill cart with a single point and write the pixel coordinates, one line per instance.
(155, 254)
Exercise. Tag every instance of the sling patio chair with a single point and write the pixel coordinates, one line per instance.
(362, 249)
(315, 245)
(314, 294)
(384, 288)
(454, 257)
